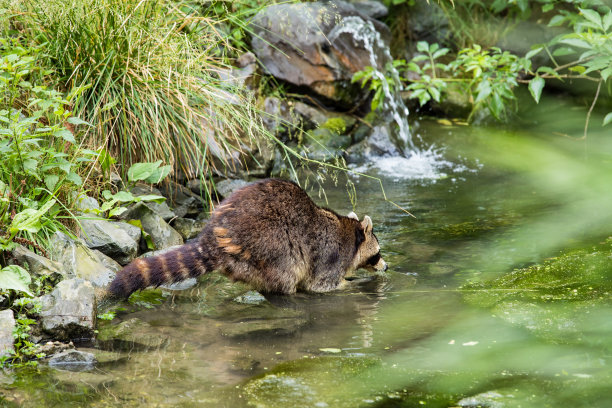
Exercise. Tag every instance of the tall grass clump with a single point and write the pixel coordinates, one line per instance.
(151, 90)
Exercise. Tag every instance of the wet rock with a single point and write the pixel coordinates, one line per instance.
(73, 360)
(377, 143)
(69, 312)
(7, 325)
(188, 228)
(80, 261)
(489, 399)
(37, 264)
(162, 234)
(110, 239)
(252, 297)
(54, 347)
(303, 43)
(373, 9)
(180, 285)
(132, 334)
(261, 319)
(162, 208)
(226, 187)
(244, 364)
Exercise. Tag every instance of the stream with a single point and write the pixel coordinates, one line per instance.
(487, 200)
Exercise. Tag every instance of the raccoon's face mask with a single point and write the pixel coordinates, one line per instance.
(368, 250)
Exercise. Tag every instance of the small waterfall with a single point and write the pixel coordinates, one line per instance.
(393, 106)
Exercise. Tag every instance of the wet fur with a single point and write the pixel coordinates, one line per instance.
(271, 235)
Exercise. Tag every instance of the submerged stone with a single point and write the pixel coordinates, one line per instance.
(252, 297)
(73, 360)
(132, 334)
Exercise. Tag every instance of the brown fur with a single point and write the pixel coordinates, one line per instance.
(269, 234)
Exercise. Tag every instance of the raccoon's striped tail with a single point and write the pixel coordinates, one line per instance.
(187, 261)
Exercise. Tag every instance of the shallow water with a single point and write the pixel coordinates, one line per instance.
(493, 199)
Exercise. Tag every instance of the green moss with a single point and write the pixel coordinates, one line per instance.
(558, 300)
(577, 275)
(336, 125)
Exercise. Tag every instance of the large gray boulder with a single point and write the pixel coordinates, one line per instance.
(110, 238)
(37, 264)
(314, 45)
(80, 261)
(69, 312)
(7, 325)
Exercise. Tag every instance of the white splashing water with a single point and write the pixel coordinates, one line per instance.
(412, 163)
(427, 164)
(364, 32)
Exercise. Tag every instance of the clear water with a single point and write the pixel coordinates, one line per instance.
(502, 198)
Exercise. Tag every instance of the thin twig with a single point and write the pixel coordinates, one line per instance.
(586, 124)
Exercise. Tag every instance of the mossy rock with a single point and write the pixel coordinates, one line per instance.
(307, 382)
(558, 300)
(578, 275)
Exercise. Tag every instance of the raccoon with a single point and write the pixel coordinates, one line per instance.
(271, 235)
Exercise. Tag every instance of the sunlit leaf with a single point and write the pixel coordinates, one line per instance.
(592, 16)
(607, 119)
(77, 121)
(535, 88)
(16, 278)
(29, 219)
(159, 174)
(142, 171)
(533, 52)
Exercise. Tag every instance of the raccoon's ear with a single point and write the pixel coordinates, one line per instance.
(353, 216)
(366, 224)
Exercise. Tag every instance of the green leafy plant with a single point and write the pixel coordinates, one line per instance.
(148, 172)
(588, 48)
(39, 159)
(429, 85)
(488, 77)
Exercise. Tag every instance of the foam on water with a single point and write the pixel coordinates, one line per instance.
(427, 164)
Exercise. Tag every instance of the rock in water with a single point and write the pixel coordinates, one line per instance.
(69, 312)
(295, 43)
(73, 360)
